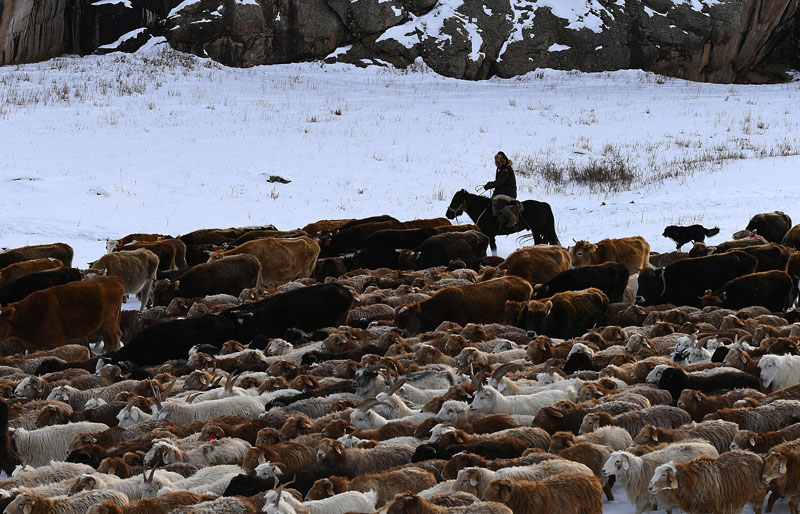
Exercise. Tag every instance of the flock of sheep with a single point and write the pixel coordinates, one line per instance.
(480, 386)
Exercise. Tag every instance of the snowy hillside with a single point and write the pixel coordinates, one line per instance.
(162, 142)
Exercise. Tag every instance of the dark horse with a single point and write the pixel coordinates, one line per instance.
(535, 216)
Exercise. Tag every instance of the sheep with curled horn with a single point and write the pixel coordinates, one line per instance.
(505, 385)
(368, 382)
(363, 418)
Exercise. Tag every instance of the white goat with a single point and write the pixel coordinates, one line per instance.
(779, 371)
(39, 447)
(279, 502)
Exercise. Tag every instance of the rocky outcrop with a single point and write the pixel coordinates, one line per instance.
(707, 40)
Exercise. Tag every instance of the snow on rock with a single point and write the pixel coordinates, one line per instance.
(555, 47)
(125, 37)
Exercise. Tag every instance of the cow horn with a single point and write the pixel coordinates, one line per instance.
(505, 368)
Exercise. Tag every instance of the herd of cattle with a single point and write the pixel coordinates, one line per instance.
(374, 365)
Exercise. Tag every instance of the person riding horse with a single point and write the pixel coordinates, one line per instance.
(505, 189)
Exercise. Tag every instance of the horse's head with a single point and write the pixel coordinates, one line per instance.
(456, 207)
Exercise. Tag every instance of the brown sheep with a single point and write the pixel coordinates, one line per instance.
(719, 433)
(536, 264)
(463, 460)
(360, 461)
(387, 484)
(634, 421)
(161, 504)
(542, 348)
(707, 484)
(633, 252)
(782, 469)
(291, 454)
(699, 404)
(593, 456)
(762, 442)
(567, 493)
(408, 503)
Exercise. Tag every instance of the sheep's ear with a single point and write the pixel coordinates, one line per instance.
(338, 449)
(783, 467)
(329, 488)
(134, 415)
(176, 284)
(655, 437)
(505, 493)
(673, 479)
(261, 459)
(473, 482)
(752, 440)
(742, 358)
(548, 306)
(27, 508)
(625, 463)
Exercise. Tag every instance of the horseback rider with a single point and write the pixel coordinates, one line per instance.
(505, 189)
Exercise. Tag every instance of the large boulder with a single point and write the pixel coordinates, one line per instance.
(366, 17)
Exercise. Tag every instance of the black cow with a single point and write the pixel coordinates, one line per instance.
(469, 247)
(772, 226)
(770, 256)
(229, 275)
(684, 282)
(307, 308)
(611, 278)
(380, 248)
(18, 289)
(682, 235)
(774, 290)
(173, 340)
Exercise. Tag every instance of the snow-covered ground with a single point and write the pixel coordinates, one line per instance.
(103, 146)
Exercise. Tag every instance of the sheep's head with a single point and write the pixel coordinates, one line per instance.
(82, 483)
(485, 400)
(438, 431)
(561, 440)
(499, 491)
(24, 503)
(407, 503)
(744, 440)
(617, 462)
(330, 451)
(154, 484)
(453, 412)
(664, 477)
(337, 428)
(655, 375)
(162, 452)
(267, 437)
(30, 388)
(689, 399)
(54, 414)
(472, 480)
(61, 393)
(81, 440)
(647, 435)
(454, 344)
(198, 380)
(295, 426)
(269, 470)
(106, 507)
(279, 347)
(770, 366)
(322, 488)
(593, 421)
(304, 383)
(273, 384)
(775, 466)
(346, 369)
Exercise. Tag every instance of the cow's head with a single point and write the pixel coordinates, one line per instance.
(581, 253)
(534, 317)
(408, 318)
(164, 291)
(7, 315)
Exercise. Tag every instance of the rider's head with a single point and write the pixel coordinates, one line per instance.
(501, 160)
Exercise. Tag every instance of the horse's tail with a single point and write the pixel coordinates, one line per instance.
(552, 238)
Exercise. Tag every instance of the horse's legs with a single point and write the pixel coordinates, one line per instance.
(493, 246)
(537, 238)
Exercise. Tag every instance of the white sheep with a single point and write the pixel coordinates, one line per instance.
(131, 487)
(228, 449)
(26, 503)
(634, 473)
(182, 413)
(55, 471)
(77, 399)
(39, 447)
(279, 502)
(779, 371)
(489, 401)
(211, 479)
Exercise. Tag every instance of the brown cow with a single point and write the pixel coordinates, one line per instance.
(171, 252)
(482, 302)
(633, 252)
(537, 264)
(113, 244)
(428, 223)
(282, 259)
(792, 238)
(324, 227)
(137, 268)
(60, 251)
(563, 315)
(50, 317)
(20, 269)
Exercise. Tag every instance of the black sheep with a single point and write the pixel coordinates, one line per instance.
(676, 380)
